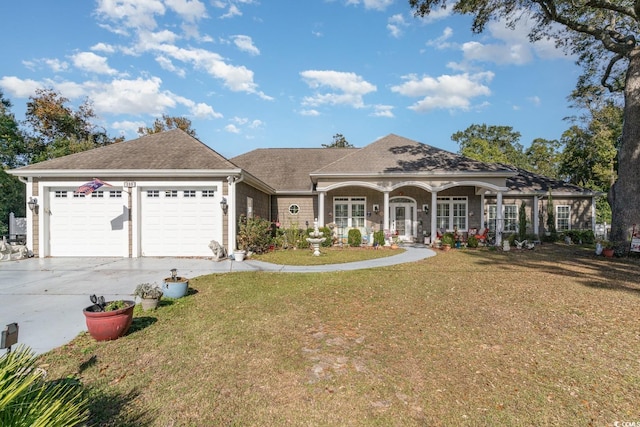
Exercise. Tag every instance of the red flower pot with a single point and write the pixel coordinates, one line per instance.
(109, 325)
(607, 253)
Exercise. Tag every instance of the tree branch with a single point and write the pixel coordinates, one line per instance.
(603, 4)
(607, 72)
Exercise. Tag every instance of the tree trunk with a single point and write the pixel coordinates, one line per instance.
(624, 196)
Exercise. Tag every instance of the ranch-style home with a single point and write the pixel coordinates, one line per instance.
(168, 194)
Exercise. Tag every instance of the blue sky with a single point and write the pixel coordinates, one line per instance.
(282, 73)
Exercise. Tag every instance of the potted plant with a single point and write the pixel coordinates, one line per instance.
(607, 249)
(447, 241)
(472, 242)
(149, 295)
(108, 320)
(175, 286)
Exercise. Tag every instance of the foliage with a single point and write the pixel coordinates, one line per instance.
(448, 239)
(543, 157)
(522, 221)
(148, 290)
(472, 242)
(551, 216)
(378, 238)
(167, 123)
(491, 144)
(585, 237)
(354, 237)
(293, 237)
(13, 150)
(12, 199)
(603, 36)
(115, 305)
(326, 232)
(27, 399)
(254, 234)
(339, 141)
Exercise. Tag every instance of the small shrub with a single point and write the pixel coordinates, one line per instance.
(448, 239)
(254, 234)
(522, 221)
(354, 237)
(472, 242)
(378, 238)
(326, 232)
(115, 305)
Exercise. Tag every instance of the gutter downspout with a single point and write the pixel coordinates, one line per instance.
(231, 213)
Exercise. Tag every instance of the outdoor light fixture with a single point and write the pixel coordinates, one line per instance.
(223, 205)
(376, 209)
(174, 274)
(32, 203)
(425, 209)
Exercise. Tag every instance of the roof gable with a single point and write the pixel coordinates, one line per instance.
(173, 149)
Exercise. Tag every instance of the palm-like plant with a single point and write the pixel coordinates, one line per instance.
(27, 399)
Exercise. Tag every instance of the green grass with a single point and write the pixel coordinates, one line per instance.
(469, 337)
(327, 255)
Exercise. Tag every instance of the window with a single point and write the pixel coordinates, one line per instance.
(189, 193)
(349, 212)
(294, 209)
(78, 195)
(115, 194)
(209, 193)
(60, 194)
(153, 193)
(170, 194)
(509, 218)
(451, 212)
(563, 214)
(98, 193)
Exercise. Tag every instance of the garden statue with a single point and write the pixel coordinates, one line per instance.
(218, 250)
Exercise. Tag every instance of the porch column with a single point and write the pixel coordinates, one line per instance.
(385, 212)
(434, 214)
(593, 215)
(321, 195)
(231, 215)
(499, 220)
(482, 211)
(536, 217)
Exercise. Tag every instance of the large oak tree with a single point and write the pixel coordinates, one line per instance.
(603, 34)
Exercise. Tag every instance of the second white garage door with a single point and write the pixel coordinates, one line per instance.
(179, 222)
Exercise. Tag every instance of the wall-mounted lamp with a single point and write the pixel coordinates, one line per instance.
(32, 203)
(425, 209)
(224, 205)
(376, 209)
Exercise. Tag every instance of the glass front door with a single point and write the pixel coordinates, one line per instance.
(403, 220)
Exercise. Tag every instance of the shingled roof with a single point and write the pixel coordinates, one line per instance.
(395, 154)
(288, 169)
(170, 150)
(526, 182)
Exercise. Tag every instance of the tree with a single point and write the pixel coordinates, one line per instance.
(602, 33)
(166, 123)
(339, 141)
(13, 152)
(543, 157)
(491, 144)
(58, 130)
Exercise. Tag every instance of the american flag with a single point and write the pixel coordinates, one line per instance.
(91, 186)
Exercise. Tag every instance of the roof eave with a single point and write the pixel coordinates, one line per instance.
(138, 173)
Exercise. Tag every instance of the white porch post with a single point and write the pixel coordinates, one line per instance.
(434, 214)
(536, 217)
(321, 195)
(499, 219)
(385, 212)
(593, 215)
(482, 217)
(231, 214)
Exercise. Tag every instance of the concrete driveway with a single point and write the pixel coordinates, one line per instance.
(46, 296)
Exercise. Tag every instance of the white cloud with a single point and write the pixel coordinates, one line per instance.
(202, 110)
(348, 88)
(190, 10)
(372, 4)
(444, 92)
(245, 44)
(166, 64)
(19, 88)
(395, 23)
(311, 113)
(231, 128)
(89, 61)
(383, 111)
(127, 126)
(535, 100)
(442, 41)
(132, 13)
(103, 47)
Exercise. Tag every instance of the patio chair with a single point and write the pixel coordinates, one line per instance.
(482, 238)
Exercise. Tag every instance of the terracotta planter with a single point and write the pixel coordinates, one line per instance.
(608, 253)
(109, 325)
(446, 248)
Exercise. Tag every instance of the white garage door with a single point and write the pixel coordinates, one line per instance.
(93, 225)
(180, 222)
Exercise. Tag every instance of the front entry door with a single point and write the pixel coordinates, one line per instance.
(402, 220)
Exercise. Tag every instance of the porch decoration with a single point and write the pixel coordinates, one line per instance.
(108, 320)
(149, 295)
(315, 238)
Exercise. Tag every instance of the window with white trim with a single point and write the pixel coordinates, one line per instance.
(168, 194)
(509, 218)
(451, 212)
(153, 193)
(99, 194)
(209, 193)
(563, 216)
(294, 209)
(189, 193)
(349, 212)
(60, 194)
(115, 194)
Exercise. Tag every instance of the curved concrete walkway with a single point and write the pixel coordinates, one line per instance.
(46, 296)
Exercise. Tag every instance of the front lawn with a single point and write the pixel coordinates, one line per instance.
(469, 337)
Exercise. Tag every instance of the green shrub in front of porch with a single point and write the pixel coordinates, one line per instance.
(354, 238)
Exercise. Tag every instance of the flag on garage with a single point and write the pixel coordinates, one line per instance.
(91, 186)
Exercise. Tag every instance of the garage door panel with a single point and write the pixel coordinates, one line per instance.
(86, 226)
(180, 223)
